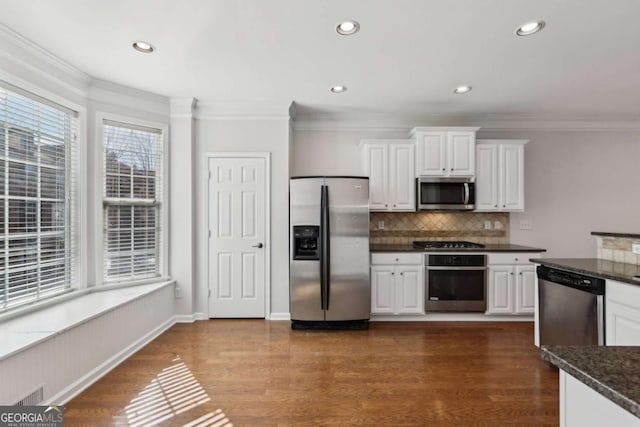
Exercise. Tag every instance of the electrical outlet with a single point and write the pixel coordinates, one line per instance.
(526, 225)
(380, 225)
(497, 225)
(487, 225)
(636, 248)
(178, 292)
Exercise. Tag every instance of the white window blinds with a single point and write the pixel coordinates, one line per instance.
(37, 197)
(132, 201)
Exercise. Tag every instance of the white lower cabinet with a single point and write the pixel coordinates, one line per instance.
(622, 313)
(581, 406)
(397, 288)
(511, 284)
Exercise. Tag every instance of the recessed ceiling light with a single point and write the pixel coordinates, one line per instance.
(462, 89)
(530, 28)
(348, 28)
(338, 89)
(143, 47)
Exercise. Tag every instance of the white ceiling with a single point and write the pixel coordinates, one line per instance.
(407, 58)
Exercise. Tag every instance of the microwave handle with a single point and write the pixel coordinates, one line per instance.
(466, 193)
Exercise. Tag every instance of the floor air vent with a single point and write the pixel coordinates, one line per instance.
(32, 398)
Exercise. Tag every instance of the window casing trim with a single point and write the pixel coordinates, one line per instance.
(102, 118)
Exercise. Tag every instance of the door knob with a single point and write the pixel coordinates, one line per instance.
(259, 246)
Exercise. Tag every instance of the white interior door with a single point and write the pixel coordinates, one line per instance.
(237, 246)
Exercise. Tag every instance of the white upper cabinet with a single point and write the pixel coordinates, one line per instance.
(445, 151)
(500, 175)
(390, 166)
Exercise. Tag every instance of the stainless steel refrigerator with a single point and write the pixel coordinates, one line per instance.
(329, 252)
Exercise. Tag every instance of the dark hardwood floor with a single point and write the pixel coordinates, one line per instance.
(259, 373)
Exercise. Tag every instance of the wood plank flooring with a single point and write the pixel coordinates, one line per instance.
(259, 373)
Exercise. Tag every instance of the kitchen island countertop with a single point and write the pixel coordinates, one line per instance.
(611, 371)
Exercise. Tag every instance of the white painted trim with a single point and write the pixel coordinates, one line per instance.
(182, 108)
(81, 80)
(214, 110)
(205, 196)
(199, 316)
(99, 185)
(279, 316)
(486, 123)
(124, 96)
(449, 317)
(185, 318)
(87, 380)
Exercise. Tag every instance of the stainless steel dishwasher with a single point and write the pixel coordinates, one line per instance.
(571, 308)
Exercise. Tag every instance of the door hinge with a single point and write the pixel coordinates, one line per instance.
(209, 292)
(209, 174)
(209, 233)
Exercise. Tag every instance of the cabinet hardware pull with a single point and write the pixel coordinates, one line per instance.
(393, 274)
(443, 169)
(402, 273)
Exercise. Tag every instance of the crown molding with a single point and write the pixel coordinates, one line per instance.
(485, 122)
(116, 94)
(25, 48)
(182, 107)
(216, 110)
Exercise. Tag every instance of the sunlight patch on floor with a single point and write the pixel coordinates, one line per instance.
(172, 392)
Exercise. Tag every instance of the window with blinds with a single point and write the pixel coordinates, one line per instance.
(132, 201)
(37, 197)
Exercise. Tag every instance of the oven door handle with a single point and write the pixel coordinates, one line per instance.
(429, 267)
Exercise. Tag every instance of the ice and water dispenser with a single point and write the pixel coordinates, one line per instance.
(306, 245)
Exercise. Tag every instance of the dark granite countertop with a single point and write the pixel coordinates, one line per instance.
(596, 267)
(611, 371)
(487, 248)
(610, 234)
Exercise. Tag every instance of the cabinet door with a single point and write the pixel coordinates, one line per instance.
(525, 289)
(461, 153)
(402, 189)
(409, 290)
(432, 154)
(511, 177)
(382, 289)
(487, 177)
(622, 312)
(377, 169)
(500, 290)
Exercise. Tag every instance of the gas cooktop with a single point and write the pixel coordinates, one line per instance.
(432, 244)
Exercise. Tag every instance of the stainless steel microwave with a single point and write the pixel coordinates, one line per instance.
(443, 193)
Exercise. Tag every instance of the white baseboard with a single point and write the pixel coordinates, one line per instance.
(279, 316)
(449, 317)
(81, 384)
(185, 318)
(200, 316)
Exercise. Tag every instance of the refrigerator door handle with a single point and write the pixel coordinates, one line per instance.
(327, 249)
(323, 202)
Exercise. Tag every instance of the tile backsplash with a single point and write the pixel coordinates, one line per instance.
(618, 249)
(405, 227)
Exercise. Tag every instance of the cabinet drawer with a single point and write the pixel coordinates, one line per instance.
(511, 258)
(390, 258)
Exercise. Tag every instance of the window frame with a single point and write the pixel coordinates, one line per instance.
(99, 182)
(77, 155)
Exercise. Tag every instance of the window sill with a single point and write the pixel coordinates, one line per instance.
(27, 330)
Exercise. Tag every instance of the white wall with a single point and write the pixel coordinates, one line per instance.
(248, 135)
(333, 152)
(575, 181)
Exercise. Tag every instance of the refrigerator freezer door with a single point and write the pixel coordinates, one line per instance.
(349, 294)
(305, 287)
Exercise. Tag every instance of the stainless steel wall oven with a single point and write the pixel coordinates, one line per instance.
(455, 282)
